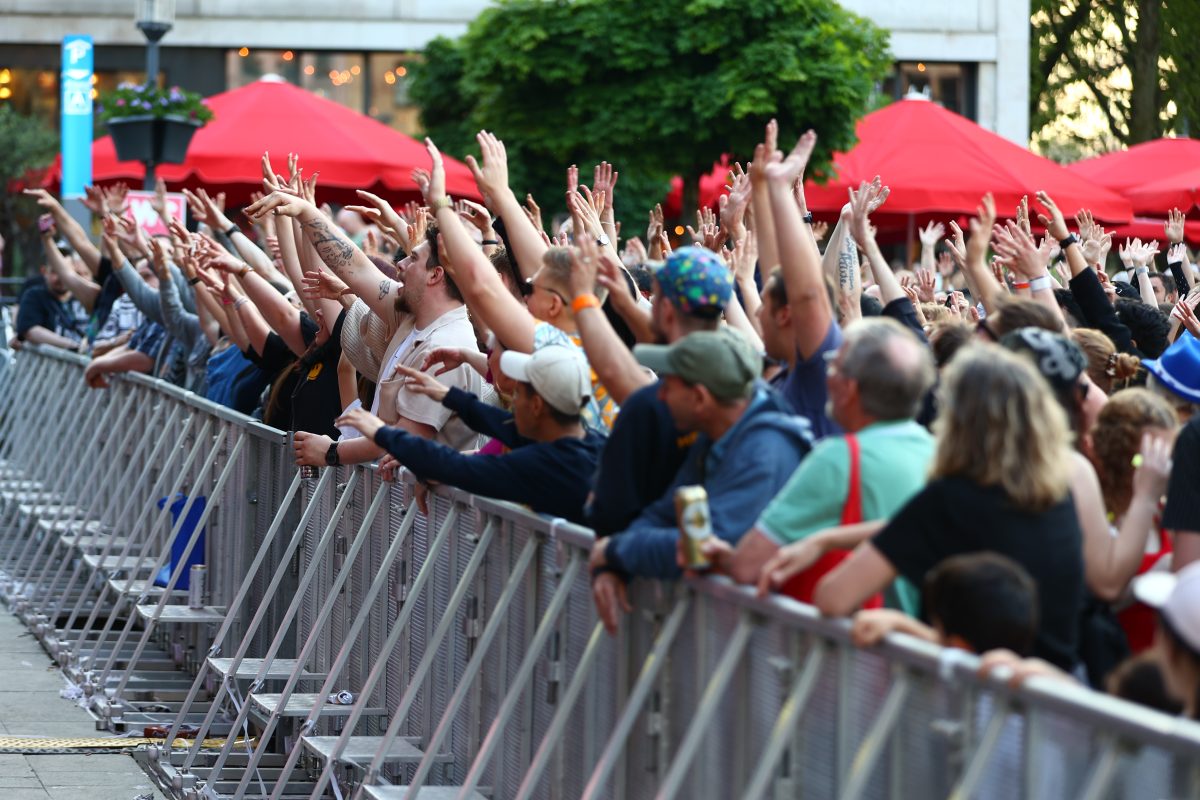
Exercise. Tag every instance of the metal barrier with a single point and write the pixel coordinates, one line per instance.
(361, 648)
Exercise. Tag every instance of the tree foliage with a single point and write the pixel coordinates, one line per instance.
(26, 148)
(1127, 62)
(659, 88)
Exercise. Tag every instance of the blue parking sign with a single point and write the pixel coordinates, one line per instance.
(76, 117)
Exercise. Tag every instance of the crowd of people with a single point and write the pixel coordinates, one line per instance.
(996, 449)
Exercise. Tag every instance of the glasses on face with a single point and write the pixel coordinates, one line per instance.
(529, 282)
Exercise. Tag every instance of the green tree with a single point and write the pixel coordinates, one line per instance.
(26, 148)
(1127, 61)
(659, 89)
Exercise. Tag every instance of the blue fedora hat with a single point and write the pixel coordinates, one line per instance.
(1178, 368)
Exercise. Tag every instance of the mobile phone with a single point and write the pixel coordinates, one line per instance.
(45, 223)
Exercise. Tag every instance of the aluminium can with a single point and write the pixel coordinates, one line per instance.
(695, 524)
(196, 585)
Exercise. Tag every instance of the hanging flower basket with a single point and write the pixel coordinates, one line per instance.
(173, 136)
(133, 137)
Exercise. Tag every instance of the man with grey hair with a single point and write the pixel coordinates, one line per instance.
(849, 485)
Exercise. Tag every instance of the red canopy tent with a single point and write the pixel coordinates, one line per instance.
(350, 150)
(1148, 229)
(1156, 176)
(939, 164)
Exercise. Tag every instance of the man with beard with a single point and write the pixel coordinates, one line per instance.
(427, 310)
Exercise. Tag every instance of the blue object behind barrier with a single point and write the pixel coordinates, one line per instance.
(181, 541)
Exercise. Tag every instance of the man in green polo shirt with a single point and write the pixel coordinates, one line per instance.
(876, 381)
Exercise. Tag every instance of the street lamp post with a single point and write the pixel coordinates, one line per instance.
(154, 19)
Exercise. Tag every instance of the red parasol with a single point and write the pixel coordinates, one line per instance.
(350, 150)
(1156, 176)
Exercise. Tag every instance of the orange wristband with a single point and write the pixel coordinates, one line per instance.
(584, 301)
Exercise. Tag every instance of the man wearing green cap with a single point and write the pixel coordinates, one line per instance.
(748, 444)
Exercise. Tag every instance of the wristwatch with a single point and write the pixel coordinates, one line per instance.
(1067, 242)
(603, 240)
(331, 456)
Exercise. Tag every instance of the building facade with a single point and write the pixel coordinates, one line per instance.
(970, 55)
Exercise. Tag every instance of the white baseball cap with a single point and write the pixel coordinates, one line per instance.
(558, 373)
(1176, 595)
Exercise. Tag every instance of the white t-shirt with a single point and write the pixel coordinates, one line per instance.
(385, 372)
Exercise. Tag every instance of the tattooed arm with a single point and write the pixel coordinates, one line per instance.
(349, 263)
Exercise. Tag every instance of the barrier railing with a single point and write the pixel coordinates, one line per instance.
(362, 648)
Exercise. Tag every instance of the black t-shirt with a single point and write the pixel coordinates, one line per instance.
(308, 398)
(952, 516)
(40, 308)
(1183, 492)
(639, 462)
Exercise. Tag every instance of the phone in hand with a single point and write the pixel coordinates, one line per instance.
(45, 223)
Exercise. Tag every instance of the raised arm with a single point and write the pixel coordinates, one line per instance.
(276, 311)
(528, 247)
(615, 366)
(69, 228)
(473, 273)
(760, 201)
(812, 314)
(979, 277)
(862, 202)
(206, 210)
(1020, 253)
(82, 289)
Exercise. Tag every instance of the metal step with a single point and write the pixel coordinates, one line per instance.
(111, 563)
(361, 749)
(300, 704)
(280, 669)
(137, 587)
(424, 793)
(183, 615)
(56, 510)
(94, 536)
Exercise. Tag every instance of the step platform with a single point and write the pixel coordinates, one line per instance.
(280, 670)
(424, 793)
(111, 563)
(362, 749)
(300, 704)
(183, 615)
(137, 587)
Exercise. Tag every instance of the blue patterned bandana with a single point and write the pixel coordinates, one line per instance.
(696, 281)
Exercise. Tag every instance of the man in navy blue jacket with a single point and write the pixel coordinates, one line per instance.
(553, 454)
(749, 444)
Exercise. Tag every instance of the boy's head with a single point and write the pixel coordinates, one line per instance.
(981, 602)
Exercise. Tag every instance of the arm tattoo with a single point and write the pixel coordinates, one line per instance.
(333, 248)
(385, 288)
(848, 264)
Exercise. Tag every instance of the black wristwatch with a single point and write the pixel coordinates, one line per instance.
(1070, 240)
(231, 230)
(331, 456)
(808, 218)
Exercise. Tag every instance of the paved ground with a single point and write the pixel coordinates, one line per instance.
(30, 706)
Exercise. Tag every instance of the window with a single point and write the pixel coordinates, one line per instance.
(374, 84)
(951, 85)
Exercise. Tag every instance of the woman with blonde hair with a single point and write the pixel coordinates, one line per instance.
(1000, 482)
(1105, 366)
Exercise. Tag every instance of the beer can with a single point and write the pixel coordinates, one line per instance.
(695, 524)
(196, 586)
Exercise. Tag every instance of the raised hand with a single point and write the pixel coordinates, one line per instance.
(765, 153)
(819, 229)
(1053, 220)
(654, 232)
(1087, 225)
(926, 283)
(956, 246)
(792, 168)
(634, 252)
(432, 183)
(159, 201)
(534, 212)
(1022, 216)
(1174, 226)
(744, 257)
(476, 215)
(1018, 251)
(322, 284)
(604, 181)
(1185, 312)
(981, 228)
(931, 233)
(1153, 468)
(492, 176)
(280, 202)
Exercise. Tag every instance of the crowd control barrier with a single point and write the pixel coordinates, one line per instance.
(344, 643)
